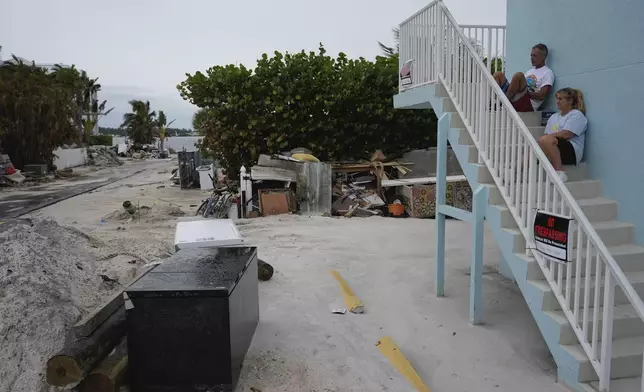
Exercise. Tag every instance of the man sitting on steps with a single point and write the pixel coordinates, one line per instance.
(527, 90)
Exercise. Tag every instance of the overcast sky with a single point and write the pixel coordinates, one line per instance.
(141, 49)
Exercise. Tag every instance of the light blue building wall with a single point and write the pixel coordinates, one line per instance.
(598, 47)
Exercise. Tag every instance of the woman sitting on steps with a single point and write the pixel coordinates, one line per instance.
(565, 134)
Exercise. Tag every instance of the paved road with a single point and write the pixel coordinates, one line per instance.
(16, 203)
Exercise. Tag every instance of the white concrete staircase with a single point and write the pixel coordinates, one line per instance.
(574, 367)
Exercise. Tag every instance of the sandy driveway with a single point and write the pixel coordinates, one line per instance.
(301, 346)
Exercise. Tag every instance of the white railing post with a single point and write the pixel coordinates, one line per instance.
(440, 37)
(642, 376)
(607, 331)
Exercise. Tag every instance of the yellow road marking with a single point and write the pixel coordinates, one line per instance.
(350, 299)
(389, 349)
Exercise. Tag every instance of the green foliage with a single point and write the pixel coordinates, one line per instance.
(198, 121)
(85, 92)
(100, 140)
(337, 107)
(35, 112)
(497, 64)
(140, 122)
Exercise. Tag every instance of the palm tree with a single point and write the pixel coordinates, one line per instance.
(162, 125)
(85, 91)
(139, 122)
(388, 51)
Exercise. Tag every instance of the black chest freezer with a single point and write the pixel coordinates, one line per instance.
(191, 320)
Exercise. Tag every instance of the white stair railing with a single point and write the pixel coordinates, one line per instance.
(585, 287)
(489, 43)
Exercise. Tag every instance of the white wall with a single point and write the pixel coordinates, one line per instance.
(72, 157)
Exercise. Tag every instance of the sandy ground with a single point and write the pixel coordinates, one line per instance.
(300, 345)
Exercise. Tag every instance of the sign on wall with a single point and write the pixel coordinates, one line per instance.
(405, 73)
(553, 236)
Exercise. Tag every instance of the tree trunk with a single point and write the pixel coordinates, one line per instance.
(75, 361)
(109, 375)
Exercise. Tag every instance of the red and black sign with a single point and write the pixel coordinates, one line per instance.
(553, 236)
(405, 73)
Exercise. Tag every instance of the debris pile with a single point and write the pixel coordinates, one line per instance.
(47, 282)
(102, 156)
(358, 189)
(146, 214)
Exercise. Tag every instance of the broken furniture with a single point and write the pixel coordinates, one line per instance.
(191, 320)
(311, 180)
(358, 190)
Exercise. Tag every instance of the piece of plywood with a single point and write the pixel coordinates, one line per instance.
(418, 181)
(272, 173)
(273, 203)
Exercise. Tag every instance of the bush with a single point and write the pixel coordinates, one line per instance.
(336, 107)
(35, 113)
(100, 140)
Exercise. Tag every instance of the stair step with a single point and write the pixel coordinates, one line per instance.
(612, 232)
(518, 241)
(465, 138)
(630, 384)
(574, 173)
(597, 209)
(448, 105)
(630, 258)
(626, 323)
(626, 359)
(636, 278)
(585, 189)
(531, 119)
(440, 91)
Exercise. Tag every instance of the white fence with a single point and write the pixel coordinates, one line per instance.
(71, 157)
(177, 143)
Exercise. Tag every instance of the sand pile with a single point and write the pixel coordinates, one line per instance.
(102, 156)
(156, 213)
(47, 281)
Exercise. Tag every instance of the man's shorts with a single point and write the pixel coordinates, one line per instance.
(523, 104)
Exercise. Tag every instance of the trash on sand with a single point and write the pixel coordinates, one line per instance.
(15, 177)
(350, 299)
(358, 189)
(339, 311)
(129, 207)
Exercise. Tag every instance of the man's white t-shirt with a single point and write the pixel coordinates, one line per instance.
(537, 78)
(575, 122)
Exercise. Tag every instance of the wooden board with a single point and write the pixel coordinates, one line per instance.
(274, 203)
(88, 324)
